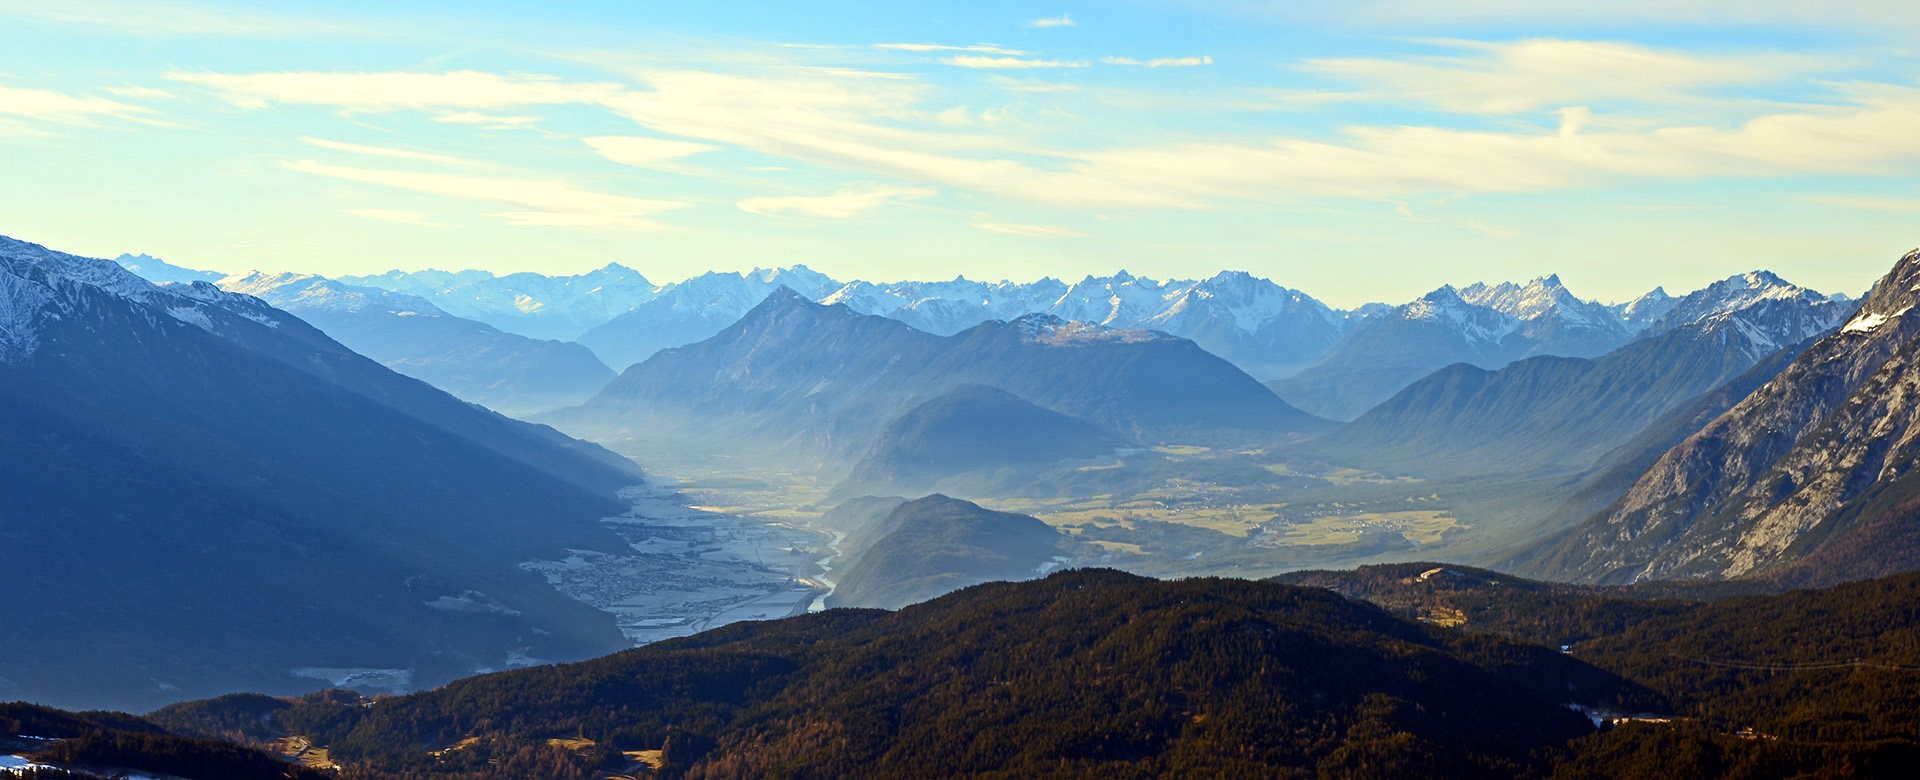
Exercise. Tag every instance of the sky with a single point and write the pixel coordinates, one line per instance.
(1366, 150)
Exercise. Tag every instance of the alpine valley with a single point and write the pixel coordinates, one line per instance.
(453, 524)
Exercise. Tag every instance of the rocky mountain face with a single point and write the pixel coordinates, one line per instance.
(1564, 414)
(474, 361)
(204, 493)
(1808, 478)
(796, 372)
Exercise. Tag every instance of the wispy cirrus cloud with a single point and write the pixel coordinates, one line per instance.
(1502, 78)
(978, 48)
(60, 108)
(488, 121)
(394, 91)
(393, 215)
(1009, 63)
(641, 151)
(840, 205)
(382, 151)
(1904, 205)
(880, 128)
(1063, 20)
(1160, 62)
(1028, 231)
(538, 202)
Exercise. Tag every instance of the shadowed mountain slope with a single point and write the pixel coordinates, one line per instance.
(204, 493)
(936, 545)
(808, 378)
(973, 428)
(474, 361)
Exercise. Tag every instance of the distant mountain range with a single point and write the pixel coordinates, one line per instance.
(533, 305)
(1565, 413)
(1335, 364)
(1267, 329)
(205, 493)
(1491, 327)
(807, 378)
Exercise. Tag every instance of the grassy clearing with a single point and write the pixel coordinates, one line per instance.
(301, 750)
(1422, 527)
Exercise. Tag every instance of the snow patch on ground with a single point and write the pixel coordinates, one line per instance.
(1867, 323)
(192, 316)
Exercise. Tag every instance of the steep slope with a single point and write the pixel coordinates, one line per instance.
(972, 428)
(695, 310)
(1809, 478)
(814, 378)
(472, 360)
(529, 304)
(1082, 674)
(936, 545)
(246, 497)
(1563, 414)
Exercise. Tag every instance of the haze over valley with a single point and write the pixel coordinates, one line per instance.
(675, 391)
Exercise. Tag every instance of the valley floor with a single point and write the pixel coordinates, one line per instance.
(1170, 510)
(692, 568)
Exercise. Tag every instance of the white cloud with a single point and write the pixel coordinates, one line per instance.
(395, 90)
(137, 92)
(1030, 231)
(840, 205)
(641, 152)
(49, 106)
(391, 215)
(382, 151)
(978, 48)
(488, 121)
(1499, 78)
(538, 202)
(1063, 20)
(880, 127)
(1008, 63)
(1161, 62)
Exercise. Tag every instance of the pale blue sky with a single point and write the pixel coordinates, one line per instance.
(1367, 150)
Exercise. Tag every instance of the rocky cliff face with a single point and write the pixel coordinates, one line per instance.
(1815, 457)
